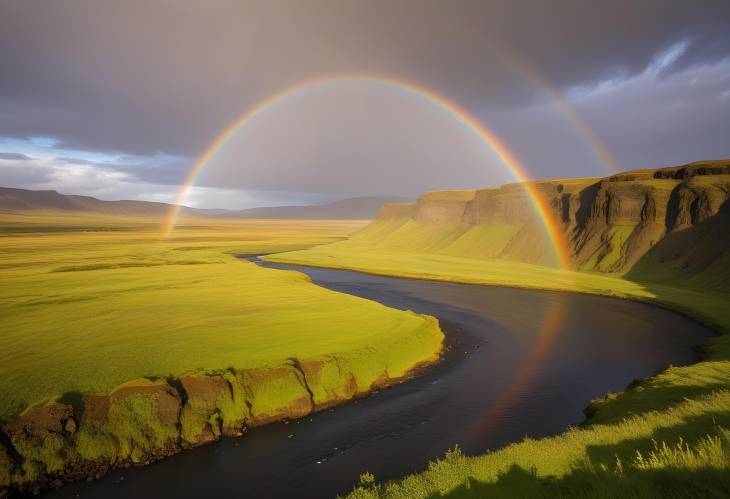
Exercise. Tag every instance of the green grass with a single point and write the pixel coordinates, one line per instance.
(84, 311)
(640, 457)
(616, 237)
(664, 437)
(482, 241)
(707, 304)
(82, 294)
(132, 429)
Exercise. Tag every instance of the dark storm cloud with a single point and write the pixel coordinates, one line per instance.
(683, 118)
(146, 77)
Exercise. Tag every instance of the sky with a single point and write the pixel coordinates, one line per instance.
(118, 100)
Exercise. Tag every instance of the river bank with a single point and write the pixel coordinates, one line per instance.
(678, 406)
(143, 421)
(120, 348)
(506, 374)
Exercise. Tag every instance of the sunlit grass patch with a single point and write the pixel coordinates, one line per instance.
(681, 452)
(87, 310)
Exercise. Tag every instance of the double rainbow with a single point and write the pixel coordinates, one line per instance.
(546, 213)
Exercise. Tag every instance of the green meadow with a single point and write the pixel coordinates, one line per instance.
(104, 305)
(89, 302)
(666, 436)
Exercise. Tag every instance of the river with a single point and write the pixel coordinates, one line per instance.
(518, 363)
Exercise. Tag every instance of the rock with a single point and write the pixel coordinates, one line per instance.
(214, 405)
(70, 425)
(275, 393)
(38, 421)
(96, 410)
(443, 207)
(166, 398)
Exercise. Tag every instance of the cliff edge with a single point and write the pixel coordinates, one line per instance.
(673, 217)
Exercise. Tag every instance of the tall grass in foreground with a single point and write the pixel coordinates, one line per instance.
(681, 452)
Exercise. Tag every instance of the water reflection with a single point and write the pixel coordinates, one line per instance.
(529, 370)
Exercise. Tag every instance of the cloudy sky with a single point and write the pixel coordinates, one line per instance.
(118, 99)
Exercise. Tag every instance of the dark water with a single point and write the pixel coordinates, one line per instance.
(519, 363)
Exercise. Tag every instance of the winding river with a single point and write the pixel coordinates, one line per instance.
(518, 362)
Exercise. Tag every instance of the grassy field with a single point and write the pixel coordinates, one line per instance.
(88, 303)
(666, 436)
(92, 304)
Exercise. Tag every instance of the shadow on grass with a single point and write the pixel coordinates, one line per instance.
(645, 397)
(694, 256)
(688, 269)
(75, 399)
(664, 483)
(684, 459)
(691, 431)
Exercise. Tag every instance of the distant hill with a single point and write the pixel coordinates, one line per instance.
(23, 199)
(359, 208)
(362, 208)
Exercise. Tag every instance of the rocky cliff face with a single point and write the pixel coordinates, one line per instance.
(609, 223)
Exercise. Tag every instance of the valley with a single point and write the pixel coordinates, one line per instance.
(240, 346)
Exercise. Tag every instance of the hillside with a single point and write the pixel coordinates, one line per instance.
(359, 208)
(24, 200)
(665, 222)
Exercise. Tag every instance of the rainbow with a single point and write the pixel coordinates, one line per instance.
(518, 66)
(564, 107)
(548, 216)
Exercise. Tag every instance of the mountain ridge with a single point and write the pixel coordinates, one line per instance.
(364, 208)
(361, 207)
(609, 223)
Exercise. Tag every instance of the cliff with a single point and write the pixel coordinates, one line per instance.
(610, 224)
(83, 435)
